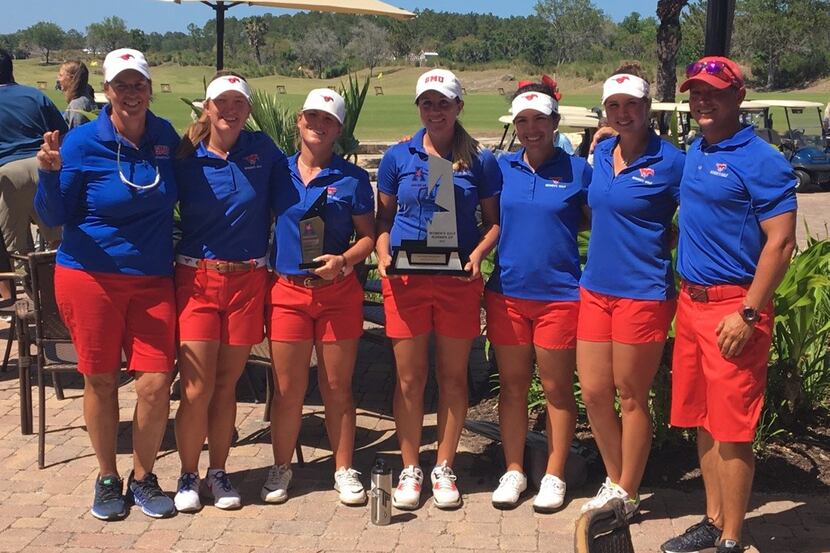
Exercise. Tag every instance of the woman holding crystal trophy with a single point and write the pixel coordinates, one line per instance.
(430, 248)
(316, 300)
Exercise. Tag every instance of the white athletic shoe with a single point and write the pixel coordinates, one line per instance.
(551, 494)
(511, 486)
(606, 493)
(187, 493)
(225, 496)
(351, 490)
(275, 489)
(444, 491)
(407, 495)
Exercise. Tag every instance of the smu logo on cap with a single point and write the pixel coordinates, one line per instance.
(646, 172)
(233, 80)
(328, 98)
(434, 79)
(530, 97)
(127, 56)
(622, 79)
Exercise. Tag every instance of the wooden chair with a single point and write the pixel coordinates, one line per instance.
(280, 89)
(378, 91)
(165, 87)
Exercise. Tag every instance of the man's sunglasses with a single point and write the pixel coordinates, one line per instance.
(715, 68)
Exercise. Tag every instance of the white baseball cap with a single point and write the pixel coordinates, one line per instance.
(624, 83)
(122, 60)
(440, 80)
(538, 101)
(228, 83)
(326, 99)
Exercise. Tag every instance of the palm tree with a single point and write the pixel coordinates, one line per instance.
(255, 30)
(668, 43)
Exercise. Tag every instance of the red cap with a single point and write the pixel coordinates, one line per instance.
(731, 74)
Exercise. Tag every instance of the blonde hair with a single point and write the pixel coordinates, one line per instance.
(465, 148)
(79, 74)
(199, 130)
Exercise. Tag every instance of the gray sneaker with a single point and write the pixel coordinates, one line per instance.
(702, 537)
(147, 494)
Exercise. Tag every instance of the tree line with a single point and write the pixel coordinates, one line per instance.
(786, 43)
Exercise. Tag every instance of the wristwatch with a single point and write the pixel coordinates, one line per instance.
(750, 315)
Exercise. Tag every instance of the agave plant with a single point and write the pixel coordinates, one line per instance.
(354, 95)
(274, 119)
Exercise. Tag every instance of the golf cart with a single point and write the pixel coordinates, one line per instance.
(571, 118)
(805, 144)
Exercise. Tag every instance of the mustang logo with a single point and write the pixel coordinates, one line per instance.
(252, 159)
(529, 97)
(328, 98)
(161, 150)
(233, 79)
(622, 79)
(646, 172)
(721, 167)
(127, 56)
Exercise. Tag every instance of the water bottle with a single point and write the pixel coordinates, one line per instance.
(380, 496)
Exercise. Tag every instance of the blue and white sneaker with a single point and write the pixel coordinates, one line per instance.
(187, 493)
(148, 495)
(109, 502)
(702, 537)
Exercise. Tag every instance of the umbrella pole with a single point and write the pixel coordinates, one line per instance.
(220, 8)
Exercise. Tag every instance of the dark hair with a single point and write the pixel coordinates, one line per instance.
(631, 67)
(6, 72)
(534, 87)
(199, 130)
(80, 79)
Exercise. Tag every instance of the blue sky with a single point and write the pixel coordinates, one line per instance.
(153, 15)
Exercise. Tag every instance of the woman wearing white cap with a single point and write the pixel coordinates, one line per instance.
(319, 307)
(113, 188)
(416, 305)
(228, 177)
(532, 298)
(627, 288)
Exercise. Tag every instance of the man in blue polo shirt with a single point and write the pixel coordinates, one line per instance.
(25, 115)
(737, 235)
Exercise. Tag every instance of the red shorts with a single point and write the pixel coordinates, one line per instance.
(224, 307)
(724, 396)
(515, 321)
(417, 304)
(604, 318)
(108, 312)
(325, 314)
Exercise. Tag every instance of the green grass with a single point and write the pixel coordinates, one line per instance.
(386, 117)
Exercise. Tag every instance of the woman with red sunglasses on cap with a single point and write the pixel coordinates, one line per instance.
(112, 187)
(532, 298)
(227, 178)
(418, 305)
(627, 288)
(320, 308)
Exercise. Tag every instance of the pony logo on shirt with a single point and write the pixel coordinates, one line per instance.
(162, 151)
(253, 161)
(720, 170)
(646, 172)
(621, 79)
(555, 182)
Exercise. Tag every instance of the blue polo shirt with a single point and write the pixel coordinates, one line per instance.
(629, 254)
(403, 173)
(538, 257)
(727, 189)
(25, 114)
(225, 204)
(110, 227)
(348, 193)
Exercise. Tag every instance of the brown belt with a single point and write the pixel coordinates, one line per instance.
(703, 294)
(227, 266)
(308, 281)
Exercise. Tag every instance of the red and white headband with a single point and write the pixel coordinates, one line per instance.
(537, 101)
(624, 83)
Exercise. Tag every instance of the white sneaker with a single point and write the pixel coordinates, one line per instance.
(551, 494)
(187, 493)
(444, 491)
(407, 495)
(351, 490)
(606, 493)
(275, 489)
(225, 495)
(511, 486)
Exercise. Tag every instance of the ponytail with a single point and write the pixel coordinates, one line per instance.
(465, 148)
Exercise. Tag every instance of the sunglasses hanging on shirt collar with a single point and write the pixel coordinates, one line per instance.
(131, 184)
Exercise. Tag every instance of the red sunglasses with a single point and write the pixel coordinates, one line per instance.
(715, 68)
